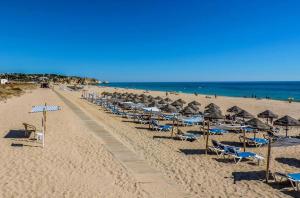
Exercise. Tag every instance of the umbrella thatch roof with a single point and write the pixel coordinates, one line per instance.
(212, 105)
(136, 100)
(154, 104)
(267, 114)
(177, 103)
(158, 98)
(257, 124)
(244, 114)
(211, 110)
(181, 101)
(287, 121)
(162, 102)
(194, 103)
(214, 115)
(168, 100)
(194, 107)
(188, 110)
(169, 109)
(234, 109)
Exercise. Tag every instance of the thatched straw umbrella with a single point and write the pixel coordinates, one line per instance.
(268, 115)
(211, 110)
(136, 100)
(244, 114)
(257, 125)
(194, 103)
(168, 100)
(162, 102)
(188, 111)
(194, 107)
(154, 104)
(212, 105)
(158, 98)
(287, 121)
(215, 115)
(169, 109)
(177, 104)
(181, 101)
(234, 109)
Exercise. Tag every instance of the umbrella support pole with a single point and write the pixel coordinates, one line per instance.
(207, 137)
(244, 143)
(268, 161)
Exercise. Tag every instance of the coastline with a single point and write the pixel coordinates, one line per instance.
(243, 89)
(280, 106)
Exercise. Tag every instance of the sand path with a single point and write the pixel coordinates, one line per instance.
(148, 178)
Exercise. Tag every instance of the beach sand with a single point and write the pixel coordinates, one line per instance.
(76, 163)
(185, 163)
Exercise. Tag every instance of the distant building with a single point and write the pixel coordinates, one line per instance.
(3, 81)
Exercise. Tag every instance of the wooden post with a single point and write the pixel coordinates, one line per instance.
(268, 160)
(286, 130)
(173, 126)
(45, 117)
(207, 137)
(244, 143)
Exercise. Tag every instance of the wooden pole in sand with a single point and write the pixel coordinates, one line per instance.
(45, 117)
(173, 123)
(244, 143)
(268, 160)
(207, 137)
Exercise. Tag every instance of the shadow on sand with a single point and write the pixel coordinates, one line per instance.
(17, 134)
(289, 161)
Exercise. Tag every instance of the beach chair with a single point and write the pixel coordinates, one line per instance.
(188, 136)
(220, 149)
(141, 120)
(257, 142)
(217, 131)
(294, 179)
(28, 128)
(155, 125)
(239, 156)
(217, 148)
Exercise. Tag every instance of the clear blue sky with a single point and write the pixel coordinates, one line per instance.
(155, 40)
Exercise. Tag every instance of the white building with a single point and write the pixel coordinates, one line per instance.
(3, 81)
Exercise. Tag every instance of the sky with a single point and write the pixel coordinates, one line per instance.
(153, 40)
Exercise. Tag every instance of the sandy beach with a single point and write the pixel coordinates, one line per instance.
(76, 163)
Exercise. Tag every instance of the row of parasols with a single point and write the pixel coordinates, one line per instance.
(212, 111)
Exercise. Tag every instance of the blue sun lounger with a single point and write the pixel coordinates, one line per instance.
(189, 136)
(295, 180)
(155, 125)
(239, 156)
(217, 131)
(257, 142)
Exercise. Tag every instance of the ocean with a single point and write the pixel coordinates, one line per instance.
(272, 90)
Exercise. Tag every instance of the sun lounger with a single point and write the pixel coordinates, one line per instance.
(217, 131)
(29, 128)
(294, 178)
(220, 149)
(155, 125)
(239, 156)
(188, 136)
(257, 142)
